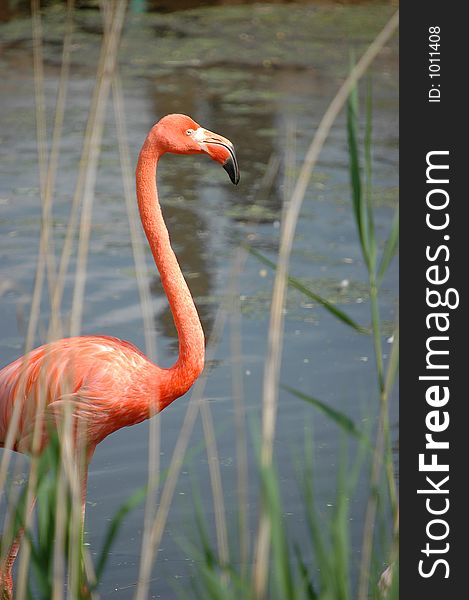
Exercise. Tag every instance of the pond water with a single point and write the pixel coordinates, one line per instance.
(252, 74)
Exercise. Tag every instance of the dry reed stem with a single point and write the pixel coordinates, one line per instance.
(41, 145)
(216, 483)
(86, 184)
(114, 16)
(46, 251)
(240, 259)
(274, 351)
(136, 235)
(74, 211)
(55, 325)
(159, 522)
(145, 301)
(239, 410)
(47, 184)
(91, 151)
(41, 140)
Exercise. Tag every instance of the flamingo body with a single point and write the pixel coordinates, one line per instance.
(107, 382)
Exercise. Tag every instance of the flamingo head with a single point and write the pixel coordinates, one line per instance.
(179, 134)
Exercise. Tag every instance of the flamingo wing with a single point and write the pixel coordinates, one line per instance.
(92, 374)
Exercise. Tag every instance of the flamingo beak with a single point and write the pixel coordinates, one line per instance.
(220, 149)
(231, 166)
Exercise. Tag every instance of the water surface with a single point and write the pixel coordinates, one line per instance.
(252, 74)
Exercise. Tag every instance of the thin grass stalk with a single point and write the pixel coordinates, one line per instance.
(55, 325)
(41, 136)
(382, 437)
(271, 383)
(77, 197)
(76, 469)
(239, 412)
(136, 237)
(145, 301)
(358, 197)
(46, 252)
(32, 485)
(58, 571)
(91, 151)
(216, 483)
(389, 465)
(376, 329)
(9, 524)
(365, 220)
(390, 247)
(269, 411)
(368, 176)
(241, 256)
(154, 434)
(8, 538)
(72, 475)
(64, 485)
(41, 145)
(241, 444)
(75, 458)
(239, 260)
(11, 435)
(371, 245)
(71, 485)
(47, 187)
(90, 577)
(148, 556)
(142, 282)
(273, 358)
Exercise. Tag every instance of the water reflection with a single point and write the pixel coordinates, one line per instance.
(185, 180)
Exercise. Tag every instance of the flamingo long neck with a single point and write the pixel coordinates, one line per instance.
(179, 378)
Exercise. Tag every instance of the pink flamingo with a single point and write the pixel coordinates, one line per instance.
(110, 383)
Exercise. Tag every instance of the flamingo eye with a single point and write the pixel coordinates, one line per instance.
(189, 131)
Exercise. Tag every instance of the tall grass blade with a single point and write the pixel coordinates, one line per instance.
(368, 177)
(309, 591)
(340, 537)
(135, 499)
(358, 198)
(296, 283)
(390, 247)
(339, 418)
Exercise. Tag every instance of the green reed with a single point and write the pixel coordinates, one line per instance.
(291, 575)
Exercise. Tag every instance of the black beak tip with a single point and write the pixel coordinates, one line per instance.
(231, 167)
